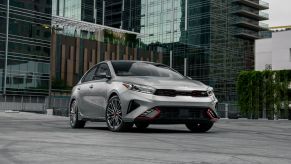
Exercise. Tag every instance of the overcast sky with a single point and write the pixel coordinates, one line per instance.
(280, 12)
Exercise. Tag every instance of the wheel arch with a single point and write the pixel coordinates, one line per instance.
(79, 110)
(72, 99)
(113, 93)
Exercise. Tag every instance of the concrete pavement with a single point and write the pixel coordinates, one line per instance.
(33, 138)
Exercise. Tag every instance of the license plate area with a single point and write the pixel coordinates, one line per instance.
(181, 112)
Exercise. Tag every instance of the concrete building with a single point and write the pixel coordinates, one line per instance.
(274, 53)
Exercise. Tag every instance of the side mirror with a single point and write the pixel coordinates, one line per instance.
(102, 75)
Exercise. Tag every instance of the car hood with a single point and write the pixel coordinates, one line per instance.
(165, 83)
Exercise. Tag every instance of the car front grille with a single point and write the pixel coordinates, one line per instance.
(182, 112)
(174, 93)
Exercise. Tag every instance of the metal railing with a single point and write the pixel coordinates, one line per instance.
(264, 25)
(264, 14)
(227, 110)
(263, 3)
(23, 103)
(37, 104)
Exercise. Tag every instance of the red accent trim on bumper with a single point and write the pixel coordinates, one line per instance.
(213, 117)
(151, 117)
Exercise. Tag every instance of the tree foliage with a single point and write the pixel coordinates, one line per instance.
(264, 90)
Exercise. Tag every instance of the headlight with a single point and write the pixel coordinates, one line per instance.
(140, 88)
(210, 91)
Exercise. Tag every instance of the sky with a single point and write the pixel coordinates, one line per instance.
(280, 12)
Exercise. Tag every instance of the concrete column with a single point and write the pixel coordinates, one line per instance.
(185, 66)
(171, 58)
(6, 47)
(226, 110)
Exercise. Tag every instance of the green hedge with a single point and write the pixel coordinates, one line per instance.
(264, 89)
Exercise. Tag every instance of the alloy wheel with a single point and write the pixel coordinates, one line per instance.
(114, 114)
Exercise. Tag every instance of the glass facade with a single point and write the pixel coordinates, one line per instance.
(84, 10)
(216, 36)
(28, 58)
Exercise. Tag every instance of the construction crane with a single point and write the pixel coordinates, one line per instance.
(280, 27)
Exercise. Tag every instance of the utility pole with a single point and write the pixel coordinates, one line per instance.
(103, 12)
(185, 66)
(171, 58)
(6, 46)
(50, 77)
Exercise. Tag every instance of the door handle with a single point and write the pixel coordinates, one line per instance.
(91, 86)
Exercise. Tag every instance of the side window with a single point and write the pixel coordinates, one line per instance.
(89, 76)
(103, 68)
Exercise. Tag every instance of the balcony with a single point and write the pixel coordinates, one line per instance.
(257, 4)
(253, 14)
(250, 24)
(247, 34)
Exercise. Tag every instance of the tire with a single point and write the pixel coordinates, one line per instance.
(113, 116)
(199, 127)
(141, 125)
(74, 121)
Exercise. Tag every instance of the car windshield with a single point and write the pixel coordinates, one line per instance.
(144, 69)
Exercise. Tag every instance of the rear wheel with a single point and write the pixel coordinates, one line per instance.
(199, 127)
(74, 121)
(141, 125)
(114, 116)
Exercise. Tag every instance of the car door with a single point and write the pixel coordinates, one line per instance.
(84, 89)
(99, 90)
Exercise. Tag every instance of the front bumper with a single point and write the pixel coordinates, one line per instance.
(179, 109)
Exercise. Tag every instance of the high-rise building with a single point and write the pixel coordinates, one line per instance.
(103, 12)
(25, 58)
(79, 42)
(216, 36)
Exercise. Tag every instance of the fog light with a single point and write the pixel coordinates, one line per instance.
(150, 114)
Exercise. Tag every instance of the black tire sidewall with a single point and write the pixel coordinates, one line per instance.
(73, 124)
(141, 125)
(203, 126)
(77, 123)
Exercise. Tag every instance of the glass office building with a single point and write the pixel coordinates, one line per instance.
(216, 36)
(28, 55)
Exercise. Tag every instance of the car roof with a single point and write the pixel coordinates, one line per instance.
(135, 61)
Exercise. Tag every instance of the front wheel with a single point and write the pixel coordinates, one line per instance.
(74, 121)
(199, 127)
(114, 116)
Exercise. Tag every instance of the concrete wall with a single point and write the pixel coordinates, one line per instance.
(274, 51)
(263, 53)
(281, 50)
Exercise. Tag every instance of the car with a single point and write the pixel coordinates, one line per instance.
(126, 93)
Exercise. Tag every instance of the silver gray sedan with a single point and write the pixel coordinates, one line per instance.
(124, 93)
